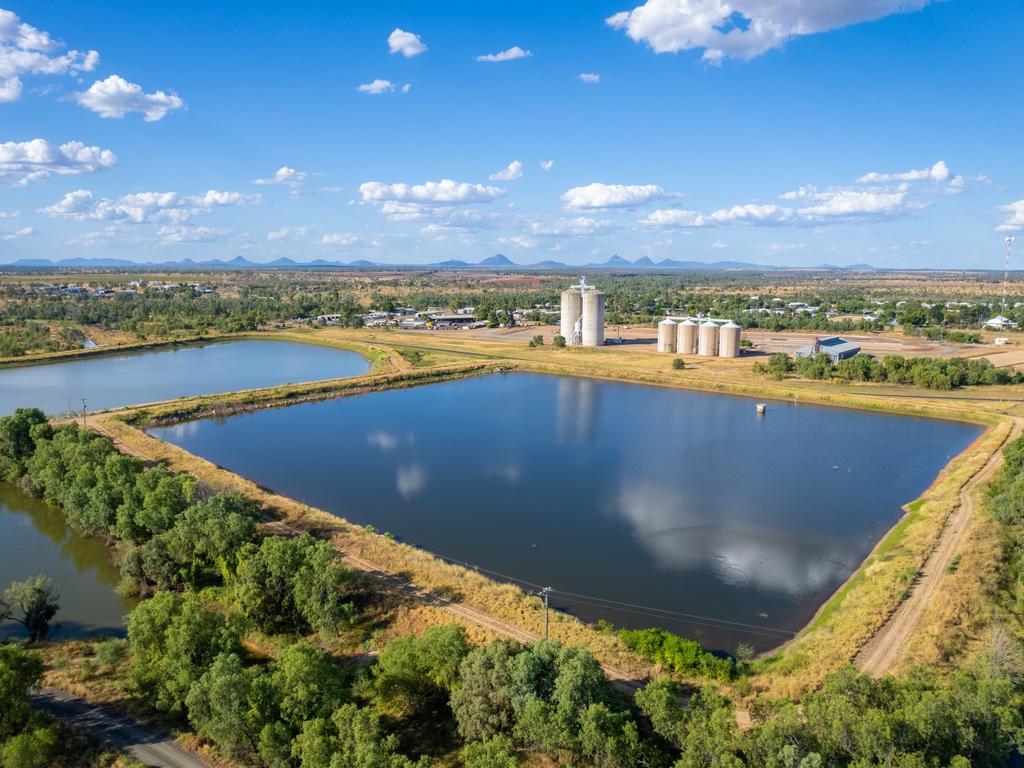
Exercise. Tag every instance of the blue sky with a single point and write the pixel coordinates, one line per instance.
(771, 131)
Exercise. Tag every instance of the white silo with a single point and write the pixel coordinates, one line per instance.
(729, 340)
(686, 337)
(667, 335)
(572, 310)
(593, 318)
(707, 345)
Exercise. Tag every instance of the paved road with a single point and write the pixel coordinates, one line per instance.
(882, 652)
(150, 746)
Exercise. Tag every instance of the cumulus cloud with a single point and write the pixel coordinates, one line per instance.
(406, 43)
(339, 239)
(144, 207)
(744, 29)
(377, 87)
(1015, 220)
(115, 97)
(547, 165)
(590, 77)
(510, 172)
(578, 226)
(817, 207)
(288, 233)
(183, 233)
(26, 50)
(19, 234)
(25, 161)
(598, 195)
(509, 54)
(9, 215)
(444, 192)
(286, 177)
(938, 172)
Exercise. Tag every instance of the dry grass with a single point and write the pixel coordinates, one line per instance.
(843, 624)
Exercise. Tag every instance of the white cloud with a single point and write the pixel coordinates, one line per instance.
(511, 172)
(444, 192)
(818, 207)
(144, 207)
(519, 241)
(288, 233)
(580, 225)
(183, 233)
(719, 244)
(547, 165)
(1015, 221)
(26, 50)
(598, 195)
(115, 97)
(938, 172)
(339, 239)
(18, 234)
(286, 177)
(510, 54)
(590, 78)
(406, 43)
(25, 161)
(9, 215)
(379, 86)
(744, 29)
(410, 480)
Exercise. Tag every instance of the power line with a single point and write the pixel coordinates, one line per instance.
(643, 610)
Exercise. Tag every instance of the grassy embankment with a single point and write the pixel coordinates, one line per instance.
(843, 624)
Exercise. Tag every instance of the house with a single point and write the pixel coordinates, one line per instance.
(999, 323)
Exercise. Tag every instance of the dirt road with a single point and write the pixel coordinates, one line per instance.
(150, 746)
(881, 653)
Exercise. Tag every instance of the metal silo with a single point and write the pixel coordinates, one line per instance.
(593, 318)
(667, 335)
(686, 337)
(729, 340)
(572, 310)
(707, 345)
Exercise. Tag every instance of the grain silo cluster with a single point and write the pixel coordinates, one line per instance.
(582, 321)
(704, 337)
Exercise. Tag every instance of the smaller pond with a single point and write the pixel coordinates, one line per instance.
(111, 381)
(36, 541)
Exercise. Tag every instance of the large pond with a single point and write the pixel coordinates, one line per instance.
(639, 505)
(36, 541)
(110, 381)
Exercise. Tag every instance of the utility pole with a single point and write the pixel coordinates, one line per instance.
(1006, 270)
(83, 413)
(545, 592)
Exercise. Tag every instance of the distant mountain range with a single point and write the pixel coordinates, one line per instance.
(497, 261)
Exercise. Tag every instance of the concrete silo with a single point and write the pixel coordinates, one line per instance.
(572, 311)
(686, 337)
(729, 340)
(667, 335)
(707, 344)
(593, 318)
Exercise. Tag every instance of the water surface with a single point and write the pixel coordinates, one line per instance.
(35, 540)
(643, 503)
(110, 381)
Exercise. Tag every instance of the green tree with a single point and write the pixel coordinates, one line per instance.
(308, 682)
(495, 752)
(18, 440)
(413, 673)
(20, 671)
(482, 702)
(32, 603)
(33, 748)
(230, 704)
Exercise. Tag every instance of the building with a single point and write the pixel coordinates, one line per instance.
(1000, 323)
(836, 347)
